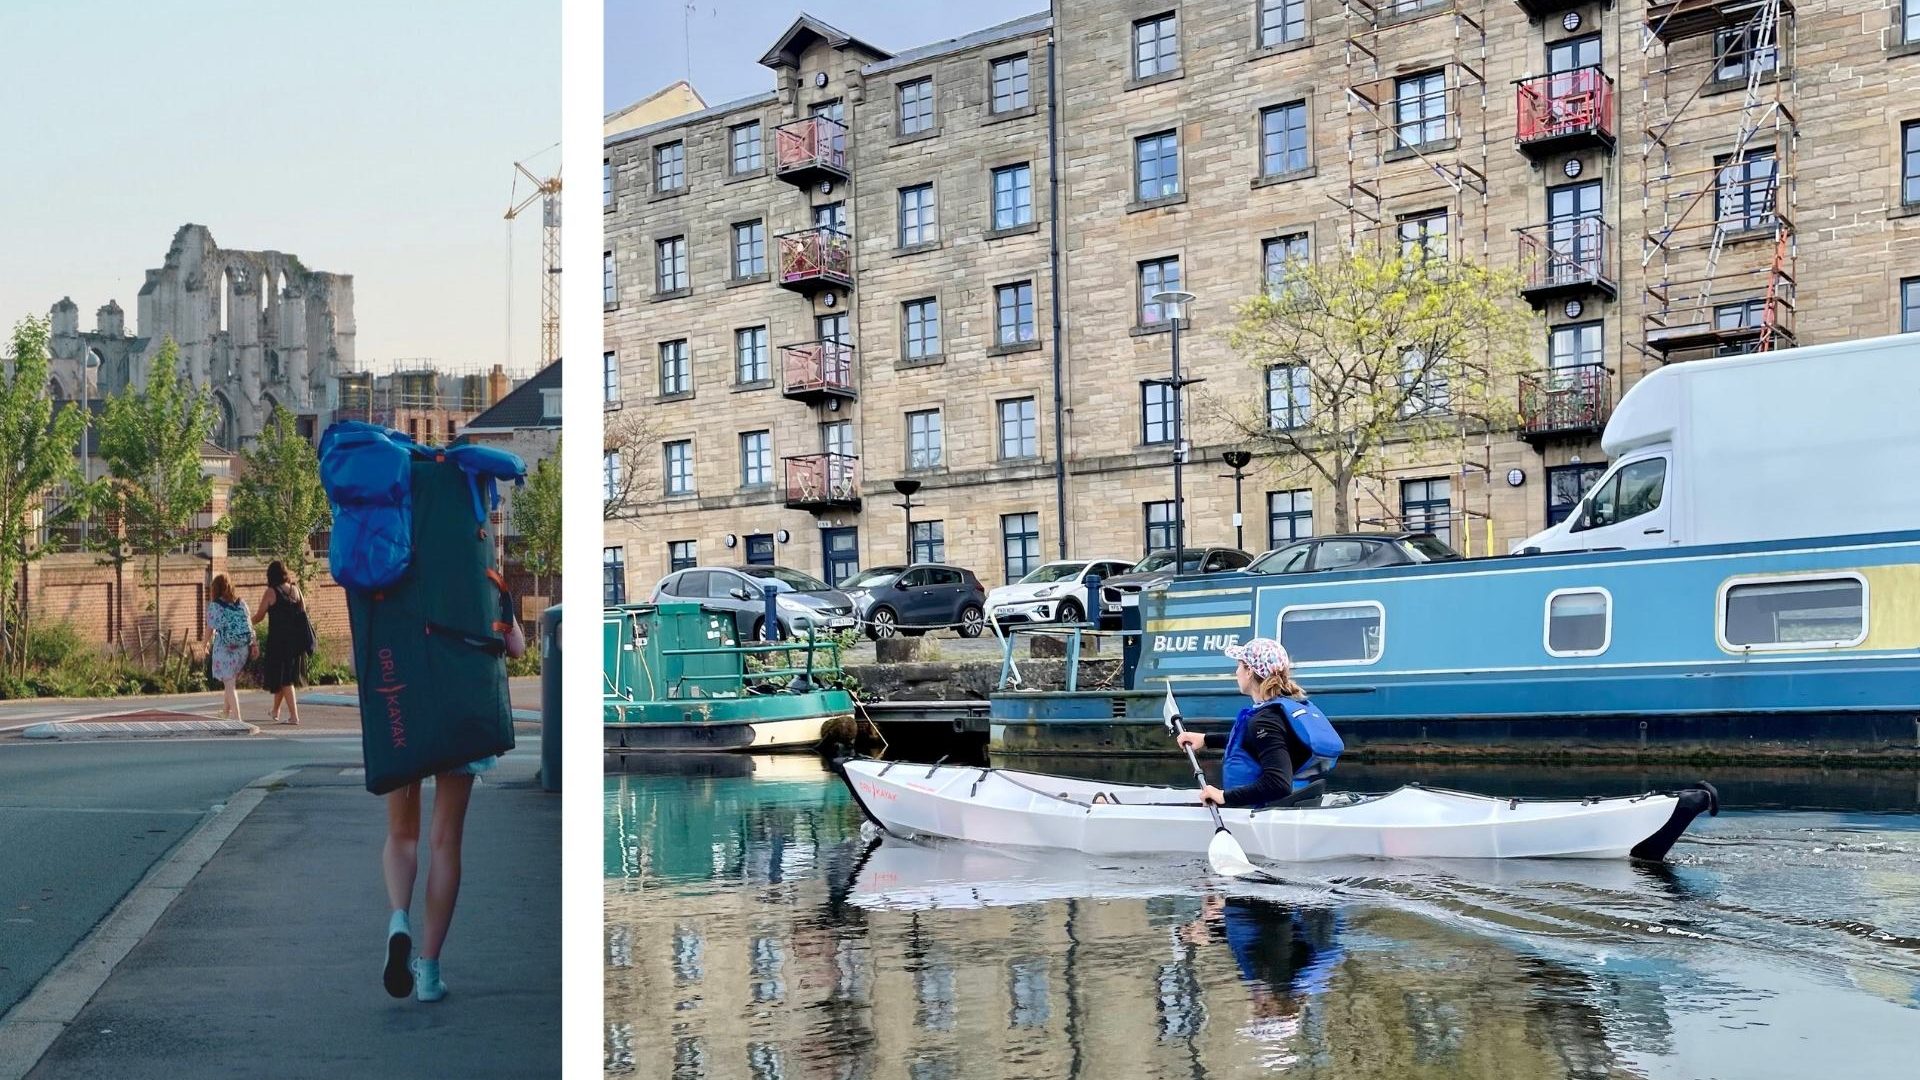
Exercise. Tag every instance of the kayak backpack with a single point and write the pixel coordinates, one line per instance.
(413, 547)
(1324, 744)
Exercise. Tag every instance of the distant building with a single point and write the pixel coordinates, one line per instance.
(678, 99)
(525, 421)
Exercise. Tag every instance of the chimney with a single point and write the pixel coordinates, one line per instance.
(110, 320)
(496, 385)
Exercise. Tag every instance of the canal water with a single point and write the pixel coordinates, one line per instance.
(755, 930)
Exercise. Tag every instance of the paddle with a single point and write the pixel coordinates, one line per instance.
(1224, 853)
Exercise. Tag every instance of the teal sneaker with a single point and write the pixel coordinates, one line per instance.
(426, 980)
(398, 976)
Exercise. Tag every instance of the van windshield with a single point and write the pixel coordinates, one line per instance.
(1635, 490)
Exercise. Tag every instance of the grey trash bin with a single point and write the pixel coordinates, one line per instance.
(550, 698)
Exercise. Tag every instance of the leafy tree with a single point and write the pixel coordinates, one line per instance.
(38, 453)
(537, 517)
(278, 500)
(1367, 350)
(629, 446)
(151, 440)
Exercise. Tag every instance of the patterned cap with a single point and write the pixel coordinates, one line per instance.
(1263, 656)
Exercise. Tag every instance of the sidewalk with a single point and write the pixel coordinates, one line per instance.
(269, 962)
(323, 709)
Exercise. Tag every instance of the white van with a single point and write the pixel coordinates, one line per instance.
(1817, 441)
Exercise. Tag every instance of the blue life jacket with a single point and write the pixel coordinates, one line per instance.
(1309, 725)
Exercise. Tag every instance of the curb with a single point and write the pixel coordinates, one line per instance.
(82, 730)
(30, 1029)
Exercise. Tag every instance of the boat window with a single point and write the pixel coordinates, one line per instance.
(1636, 489)
(1579, 622)
(1794, 614)
(1339, 554)
(1334, 634)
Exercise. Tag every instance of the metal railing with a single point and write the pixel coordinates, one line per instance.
(1571, 252)
(1576, 398)
(818, 367)
(822, 480)
(814, 142)
(819, 254)
(1566, 103)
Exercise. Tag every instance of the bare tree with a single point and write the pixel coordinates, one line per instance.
(630, 470)
(1364, 350)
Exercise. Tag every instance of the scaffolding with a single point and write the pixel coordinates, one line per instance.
(1719, 248)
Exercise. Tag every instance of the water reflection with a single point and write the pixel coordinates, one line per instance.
(753, 931)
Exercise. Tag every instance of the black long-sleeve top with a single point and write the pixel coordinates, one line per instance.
(1274, 745)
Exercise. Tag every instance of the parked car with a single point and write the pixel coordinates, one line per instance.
(1052, 592)
(916, 598)
(741, 590)
(1354, 551)
(1157, 568)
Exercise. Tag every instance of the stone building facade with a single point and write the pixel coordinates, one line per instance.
(1672, 180)
(257, 328)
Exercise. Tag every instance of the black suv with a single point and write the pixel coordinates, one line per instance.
(1354, 551)
(1122, 592)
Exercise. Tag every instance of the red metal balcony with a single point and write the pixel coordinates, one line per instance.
(815, 259)
(823, 482)
(1571, 110)
(805, 151)
(1567, 401)
(817, 370)
(1567, 258)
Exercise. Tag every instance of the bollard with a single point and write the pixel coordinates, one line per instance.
(1093, 601)
(550, 698)
(1130, 644)
(770, 622)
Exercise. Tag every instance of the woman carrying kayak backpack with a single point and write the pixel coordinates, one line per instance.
(1279, 744)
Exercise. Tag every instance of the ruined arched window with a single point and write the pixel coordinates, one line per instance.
(220, 310)
(55, 391)
(226, 433)
(93, 380)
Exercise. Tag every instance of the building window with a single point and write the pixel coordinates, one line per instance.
(1157, 276)
(1013, 313)
(606, 181)
(613, 575)
(1427, 506)
(1746, 191)
(1910, 302)
(1569, 56)
(1282, 21)
(682, 555)
(1909, 21)
(917, 224)
(749, 249)
(610, 476)
(916, 106)
(924, 443)
(670, 167)
(1579, 622)
(1279, 253)
(751, 363)
(833, 328)
(1424, 235)
(1805, 613)
(1738, 52)
(929, 542)
(676, 368)
(923, 328)
(670, 261)
(1012, 196)
(1156, 46)
(1910, 157)
(1289, 516)
(1425, 384)
(1288, 406)
(610, 378)
(1283, 139)
(1420, 109)
(1743, 315)
(837, 437)
(607, 294)
(743, 142)
(1576, 345)
(1159, 525)
(1567, 484)
(680, 467)
(1019, 429)
(756, 459)
(1333, 633)
(1020, 544)
(831, 216)
(1156, 164)
(1156, 413)
(1011, 87)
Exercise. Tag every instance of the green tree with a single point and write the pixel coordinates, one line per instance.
(1364, 351)
(537, 518)
(151, 440)
(38, 453)
(278, 501)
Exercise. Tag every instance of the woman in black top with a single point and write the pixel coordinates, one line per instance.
(284, 667)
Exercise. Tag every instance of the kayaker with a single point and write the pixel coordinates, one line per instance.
(1280, 741)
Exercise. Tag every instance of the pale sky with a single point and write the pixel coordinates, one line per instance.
(370, 137)
(717, 44)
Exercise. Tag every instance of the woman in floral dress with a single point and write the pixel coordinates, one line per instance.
(233, 641)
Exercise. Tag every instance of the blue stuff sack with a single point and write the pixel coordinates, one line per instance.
(366, 471)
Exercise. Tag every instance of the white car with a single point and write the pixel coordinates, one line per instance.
(1054, 592)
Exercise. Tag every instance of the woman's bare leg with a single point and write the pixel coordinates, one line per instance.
(293, 705)
(450, 794)
(230, 698)
(400, 859)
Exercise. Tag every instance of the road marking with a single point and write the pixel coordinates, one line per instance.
(29, 1030)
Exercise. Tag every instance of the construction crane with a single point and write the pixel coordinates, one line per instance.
(548, 192)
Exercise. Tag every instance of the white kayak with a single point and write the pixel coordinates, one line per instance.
(1034, 810)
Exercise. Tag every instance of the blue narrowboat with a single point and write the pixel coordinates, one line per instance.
(1797, 649)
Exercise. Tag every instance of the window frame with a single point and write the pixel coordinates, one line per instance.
(1284, 9)
(763, 356)
(1419, 80)
(926, 211)
(1546, 621)
(610, 381)
(756, 246)
(1285, 110)
(934, 543)
(1909, 152)
(672, 251)
(758, 145)
(1166, 61)
(1027, 423)
(930, 345)
(678, 150)
(667, 459)
(1023, 212)
(1280, 629)
(1766, 219)
(1284, 244)
(674, 563)
(1142, 296)
(1148, 388)
(683, 363)
(1726, 591)
(1422, 221)
(1161, 139)
(933, 435)
(994, 108)
(1909, 301)
(1025, 299)
(1575, 330)
(609, 280)
(754, 459)
(608, 566)
(927, 118)
(1165, 525)
(1299, 396)
(1027, 539)
(1293, 515)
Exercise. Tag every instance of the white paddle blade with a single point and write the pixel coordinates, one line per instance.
(1168, 710)
(1228, 858)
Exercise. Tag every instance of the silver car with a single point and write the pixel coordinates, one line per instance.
(801, 598)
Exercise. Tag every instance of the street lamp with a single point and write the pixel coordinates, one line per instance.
(1237, 461)
(1173, 306)
(906, 488)
(89, 388)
